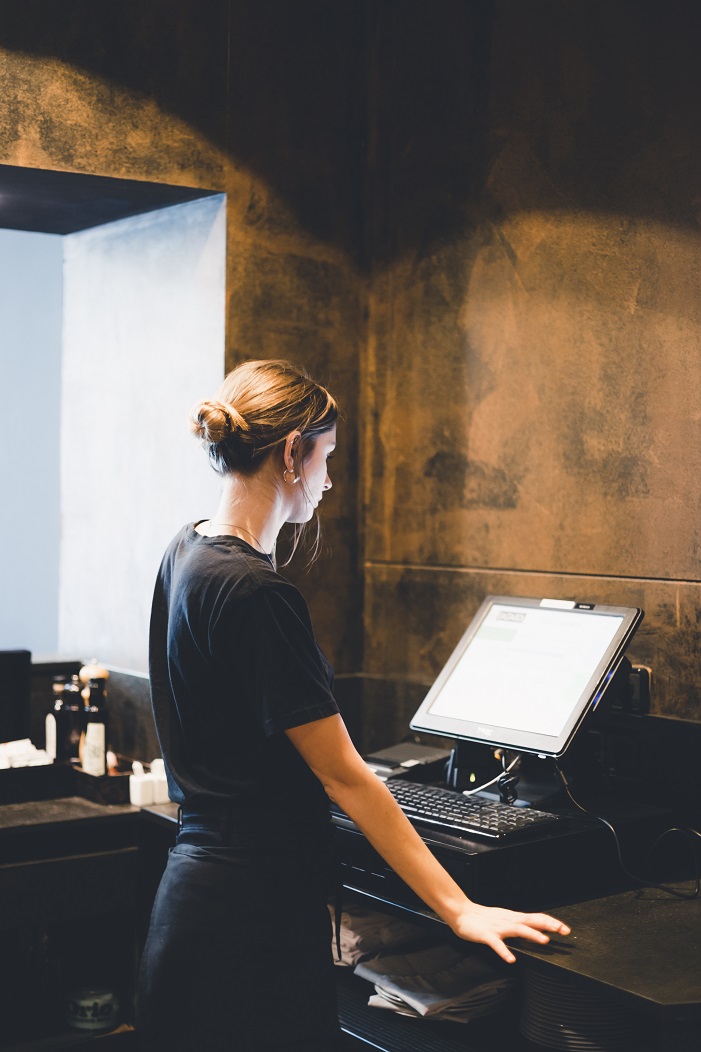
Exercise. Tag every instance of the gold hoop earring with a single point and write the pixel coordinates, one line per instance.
(290, 471)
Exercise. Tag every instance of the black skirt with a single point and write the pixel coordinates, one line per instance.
(238, 956)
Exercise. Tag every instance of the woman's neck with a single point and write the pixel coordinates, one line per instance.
(250, 508)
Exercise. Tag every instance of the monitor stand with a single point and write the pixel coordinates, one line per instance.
(535, 782)
(532, 783)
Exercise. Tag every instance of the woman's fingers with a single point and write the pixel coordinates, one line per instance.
(491, 925)
(531, 928)
(501, 949)
(545, 923)
(524, 931)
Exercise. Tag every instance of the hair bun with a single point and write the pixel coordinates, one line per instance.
(212, 422)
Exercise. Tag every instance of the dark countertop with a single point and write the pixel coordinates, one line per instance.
(645, 944)
(162, 812)
(64, 809)
(39, 830)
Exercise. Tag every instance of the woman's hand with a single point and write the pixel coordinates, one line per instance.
(326, 747)
(491, 925)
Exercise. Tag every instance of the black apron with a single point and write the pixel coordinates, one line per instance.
(239, 951)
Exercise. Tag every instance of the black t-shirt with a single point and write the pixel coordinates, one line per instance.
(233, 664)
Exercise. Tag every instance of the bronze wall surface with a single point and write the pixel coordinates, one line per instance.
(533, 369)
(479, 222)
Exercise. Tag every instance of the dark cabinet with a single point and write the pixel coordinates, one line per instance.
(71, 895)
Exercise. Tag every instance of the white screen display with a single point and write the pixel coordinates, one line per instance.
(526, 668)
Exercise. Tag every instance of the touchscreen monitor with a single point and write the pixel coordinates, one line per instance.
(526, 672)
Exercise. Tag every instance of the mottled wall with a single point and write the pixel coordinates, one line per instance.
(533, 372)
(261, 101)
(478, 221)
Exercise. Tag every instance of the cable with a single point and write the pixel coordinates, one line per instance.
(471, 792)
(689, 833)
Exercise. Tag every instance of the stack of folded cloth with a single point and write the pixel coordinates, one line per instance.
(438, 982)
(367, 933)
(417, 975)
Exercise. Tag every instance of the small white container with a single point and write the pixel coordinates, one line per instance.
(160, 782)
(140, 790)
(92, 1008)
(140, 786)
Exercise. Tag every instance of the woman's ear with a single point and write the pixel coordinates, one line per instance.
(291, 445)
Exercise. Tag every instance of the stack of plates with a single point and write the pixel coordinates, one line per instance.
(562, 1014)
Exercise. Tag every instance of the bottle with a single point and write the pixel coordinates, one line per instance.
(95, 744)
(64, 724)
(75, 719)
(53, 723)
(92, 670)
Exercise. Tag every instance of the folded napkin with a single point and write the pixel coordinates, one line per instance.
(367, 933)
(438, 982)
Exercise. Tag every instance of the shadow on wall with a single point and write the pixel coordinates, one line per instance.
(277, 86)
(409, 104)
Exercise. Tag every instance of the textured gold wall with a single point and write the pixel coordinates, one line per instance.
(479, 222)
(533, 365)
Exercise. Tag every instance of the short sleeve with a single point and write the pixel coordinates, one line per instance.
(289, 680)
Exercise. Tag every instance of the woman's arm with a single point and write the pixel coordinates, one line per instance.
(326, 747)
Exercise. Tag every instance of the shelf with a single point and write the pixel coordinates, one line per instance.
(123, 1037)
(385, 1031)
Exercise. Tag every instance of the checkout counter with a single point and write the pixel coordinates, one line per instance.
(632, 964)
(82, 873)
(72, 866)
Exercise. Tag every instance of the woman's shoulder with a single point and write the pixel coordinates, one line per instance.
(228, 567)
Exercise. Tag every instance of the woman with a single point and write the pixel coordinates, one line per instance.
(238, 955)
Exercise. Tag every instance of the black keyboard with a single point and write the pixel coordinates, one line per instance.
(464, 815)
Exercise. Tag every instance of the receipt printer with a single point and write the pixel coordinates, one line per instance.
(423, 762)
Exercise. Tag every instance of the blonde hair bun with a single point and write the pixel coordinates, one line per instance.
(212, 422)
(272, 399)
